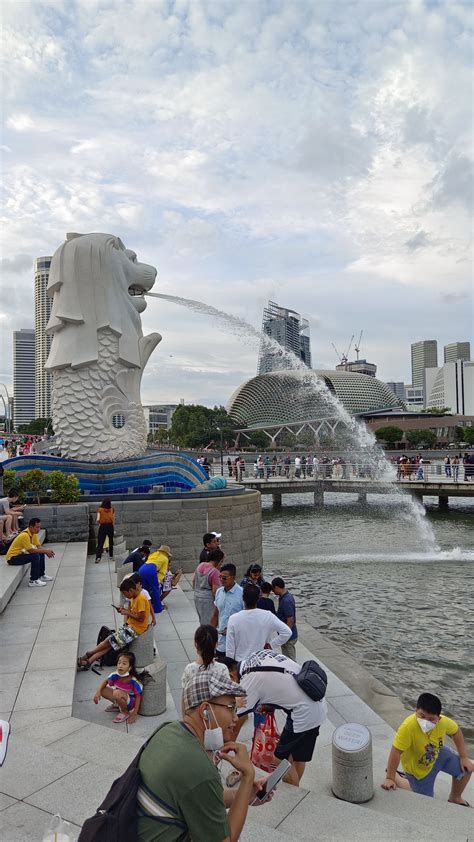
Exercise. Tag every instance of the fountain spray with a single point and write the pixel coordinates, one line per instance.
(363, 440)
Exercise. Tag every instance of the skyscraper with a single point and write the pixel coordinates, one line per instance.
(23, 376)
(424, 354)
(43, 306)
(290, 331)
(457, 351)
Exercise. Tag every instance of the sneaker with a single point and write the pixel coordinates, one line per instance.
(36, 583)
(45, 578)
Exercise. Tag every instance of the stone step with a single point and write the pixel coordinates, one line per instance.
(434, 817)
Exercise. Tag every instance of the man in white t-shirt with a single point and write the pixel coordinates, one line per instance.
(276, 689)
(253, 629)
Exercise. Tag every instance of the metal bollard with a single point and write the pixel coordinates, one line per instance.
(352, 778)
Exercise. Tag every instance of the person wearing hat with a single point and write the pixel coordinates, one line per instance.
(160, 559)
(181, 795)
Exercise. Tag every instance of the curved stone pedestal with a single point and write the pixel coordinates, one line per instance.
(154, 690)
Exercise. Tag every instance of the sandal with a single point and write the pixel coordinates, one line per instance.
(112, 708)
(122, 717)
(81, 665)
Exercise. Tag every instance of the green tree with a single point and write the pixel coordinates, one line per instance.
(421, 438)
(161, 436)
(37, 427)
(34, 482)
(467, 434)
(390, 435)
(64, 487)
(259, 440)
(9, 480)
(197, 426)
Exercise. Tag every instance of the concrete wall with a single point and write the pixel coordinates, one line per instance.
(69, 522)
(181, 523)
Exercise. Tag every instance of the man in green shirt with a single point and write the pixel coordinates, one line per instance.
(181, 796)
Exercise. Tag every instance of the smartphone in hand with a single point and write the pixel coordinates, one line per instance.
(117, 607)
(272, 781)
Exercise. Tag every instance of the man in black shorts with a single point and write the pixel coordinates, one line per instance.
(279, 690)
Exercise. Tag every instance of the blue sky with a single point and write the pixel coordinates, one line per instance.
(315, 153)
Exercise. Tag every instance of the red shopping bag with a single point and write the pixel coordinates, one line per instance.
(264, 743)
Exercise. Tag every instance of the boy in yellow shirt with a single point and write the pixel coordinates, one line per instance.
(419, 744)
(136, 622)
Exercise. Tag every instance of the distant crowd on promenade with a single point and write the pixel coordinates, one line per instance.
(456, 467)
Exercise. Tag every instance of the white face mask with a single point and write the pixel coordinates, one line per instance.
(426, 726)
(213, 737)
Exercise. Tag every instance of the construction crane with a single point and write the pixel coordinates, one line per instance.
(339, 356)
(357, 347)
(343, 358)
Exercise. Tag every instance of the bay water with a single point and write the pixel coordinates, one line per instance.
(361, 575)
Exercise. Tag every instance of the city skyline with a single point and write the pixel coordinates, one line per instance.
(309, 155)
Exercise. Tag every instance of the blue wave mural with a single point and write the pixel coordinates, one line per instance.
(174, 471)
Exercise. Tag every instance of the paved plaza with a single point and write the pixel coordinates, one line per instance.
(65, 752)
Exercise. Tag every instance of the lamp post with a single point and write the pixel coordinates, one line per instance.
(219, 430)
(8, 426)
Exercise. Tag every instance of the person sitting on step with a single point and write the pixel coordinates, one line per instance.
(136, 623)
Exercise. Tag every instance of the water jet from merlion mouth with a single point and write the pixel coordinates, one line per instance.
(363, 441)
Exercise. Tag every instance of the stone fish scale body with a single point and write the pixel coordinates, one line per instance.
(85, 401)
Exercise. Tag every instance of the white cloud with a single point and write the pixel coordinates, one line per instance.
(318, 154)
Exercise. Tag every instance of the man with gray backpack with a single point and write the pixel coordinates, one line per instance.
(271, 680)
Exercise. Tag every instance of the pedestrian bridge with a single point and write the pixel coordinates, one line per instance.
(442, 488)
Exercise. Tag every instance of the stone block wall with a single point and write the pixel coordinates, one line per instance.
(181, 523)
(69, 522)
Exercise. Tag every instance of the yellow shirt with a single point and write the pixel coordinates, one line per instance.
(26, 541)
(420, 751)
(161, 561)
(137, 604)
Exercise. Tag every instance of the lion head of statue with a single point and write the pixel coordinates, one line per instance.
(95, 283)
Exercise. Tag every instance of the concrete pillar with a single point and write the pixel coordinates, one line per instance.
(319, 496)
(154, 690)
(276, 500)
(443, 503)
(352, 777)
(362, 497)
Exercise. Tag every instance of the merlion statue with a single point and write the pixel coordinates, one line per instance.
(98, 350)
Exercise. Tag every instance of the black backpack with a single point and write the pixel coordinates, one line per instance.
(115, 820)
(311, 678)
(111, 657)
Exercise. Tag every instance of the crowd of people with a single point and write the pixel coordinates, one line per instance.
(456, 467)
(18, 446)
(246, 664)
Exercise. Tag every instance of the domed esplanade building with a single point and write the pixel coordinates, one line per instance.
(304, 400)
